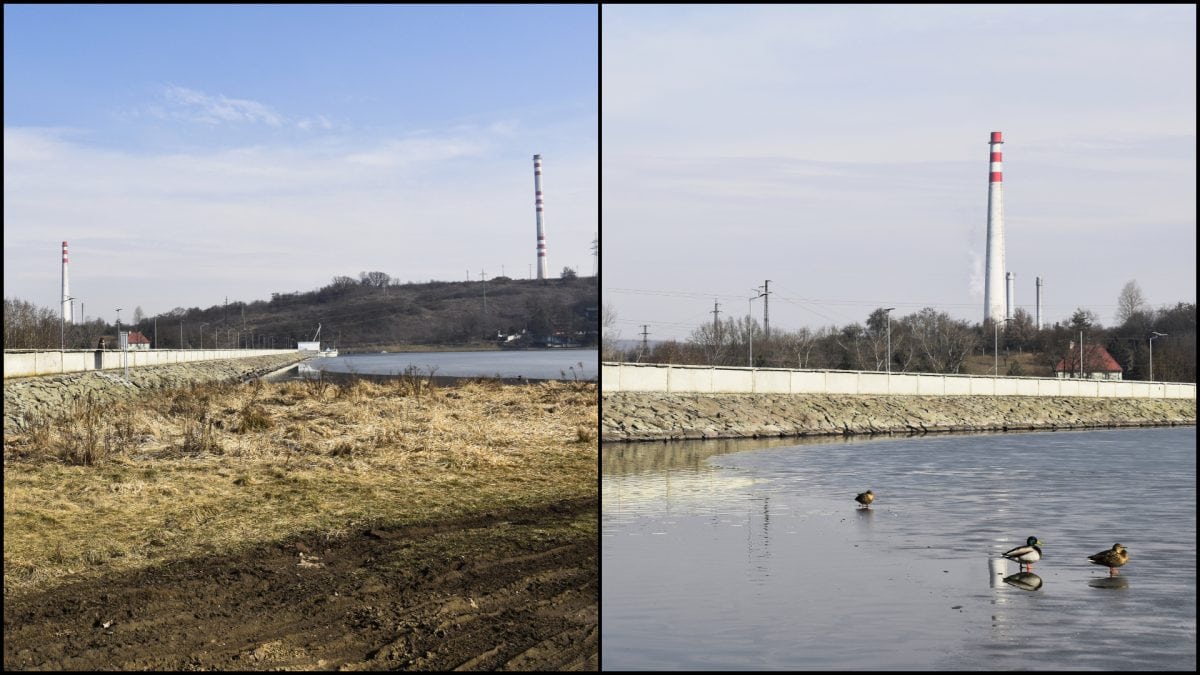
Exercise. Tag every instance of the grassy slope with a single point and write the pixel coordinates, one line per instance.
(220, 468)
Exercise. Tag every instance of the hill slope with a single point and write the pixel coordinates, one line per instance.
(362, 317)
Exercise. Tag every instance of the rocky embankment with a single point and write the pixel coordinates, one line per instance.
(28, 398)
(642, 416)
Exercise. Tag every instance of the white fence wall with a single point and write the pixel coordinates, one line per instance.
(617, 377)
(24, 364)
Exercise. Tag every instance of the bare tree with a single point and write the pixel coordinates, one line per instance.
(710, 341)
(610, 334)
(1129, 302)
(944, 342)
(375, 279)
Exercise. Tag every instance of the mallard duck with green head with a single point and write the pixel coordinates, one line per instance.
(865, 498)
(1112, 558)
(1026, 555)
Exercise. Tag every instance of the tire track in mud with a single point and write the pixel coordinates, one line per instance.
(511, 590)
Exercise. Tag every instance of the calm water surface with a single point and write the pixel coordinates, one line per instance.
(732, 555)
(535, 364)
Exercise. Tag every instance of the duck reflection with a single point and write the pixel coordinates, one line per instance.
(1026, 581)
(1109, 582)
(865, 515)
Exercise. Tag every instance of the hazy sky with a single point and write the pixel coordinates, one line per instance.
(841, 152)
(193, 153)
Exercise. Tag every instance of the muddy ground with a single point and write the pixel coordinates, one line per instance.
(503, 591)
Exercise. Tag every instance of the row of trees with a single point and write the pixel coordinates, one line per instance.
(934, 342)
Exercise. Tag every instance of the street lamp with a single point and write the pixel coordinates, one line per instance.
(750, 323)
(886, 312)
(1153, 334)
(118, 326)
(202, 336)
(996, 347)
(62, 321)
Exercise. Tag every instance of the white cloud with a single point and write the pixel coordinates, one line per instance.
(201, 107)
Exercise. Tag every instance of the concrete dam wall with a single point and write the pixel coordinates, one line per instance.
(37, 397)
(654, 416)
(27, 363)
(632, 377)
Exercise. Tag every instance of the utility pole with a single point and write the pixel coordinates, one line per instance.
(766, 311)
(645, 346)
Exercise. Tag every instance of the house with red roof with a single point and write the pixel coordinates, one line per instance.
(1098, 364)
(137, 341)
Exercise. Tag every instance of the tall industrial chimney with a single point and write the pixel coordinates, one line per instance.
(1009, 279)
(66, 289)
(541, 231)
(993, 290)
(1039, 303)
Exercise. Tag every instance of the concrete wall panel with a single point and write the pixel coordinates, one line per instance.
(772, 382)
(872, 383)
(693, 379)
(808, 382)
(841, 382)
(732, 380)
(904, 384)
(1027, 387)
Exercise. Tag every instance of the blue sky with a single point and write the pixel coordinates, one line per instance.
(841, 152)
(193, 153)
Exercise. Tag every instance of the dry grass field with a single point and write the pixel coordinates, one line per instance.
(431, 509)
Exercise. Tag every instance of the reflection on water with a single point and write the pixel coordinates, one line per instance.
(1026, 581)
(1109, 582)
(754, 554)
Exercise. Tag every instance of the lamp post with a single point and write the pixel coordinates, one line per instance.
(202, 336)
(887, 313)
(996, 347)
(119, 342)
(750, 323)
(1153, 334)
(62, 321)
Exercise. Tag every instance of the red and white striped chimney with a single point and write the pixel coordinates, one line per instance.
(66, 289)
(541, 231)
(994, 305)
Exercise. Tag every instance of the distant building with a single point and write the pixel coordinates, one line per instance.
(308, 346)
(138, 341)
(1098, 364)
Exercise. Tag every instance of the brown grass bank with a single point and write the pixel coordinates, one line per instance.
(436, 483)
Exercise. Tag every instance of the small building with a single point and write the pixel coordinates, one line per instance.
(1098, 364)
(138, 341)
(308, 346)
